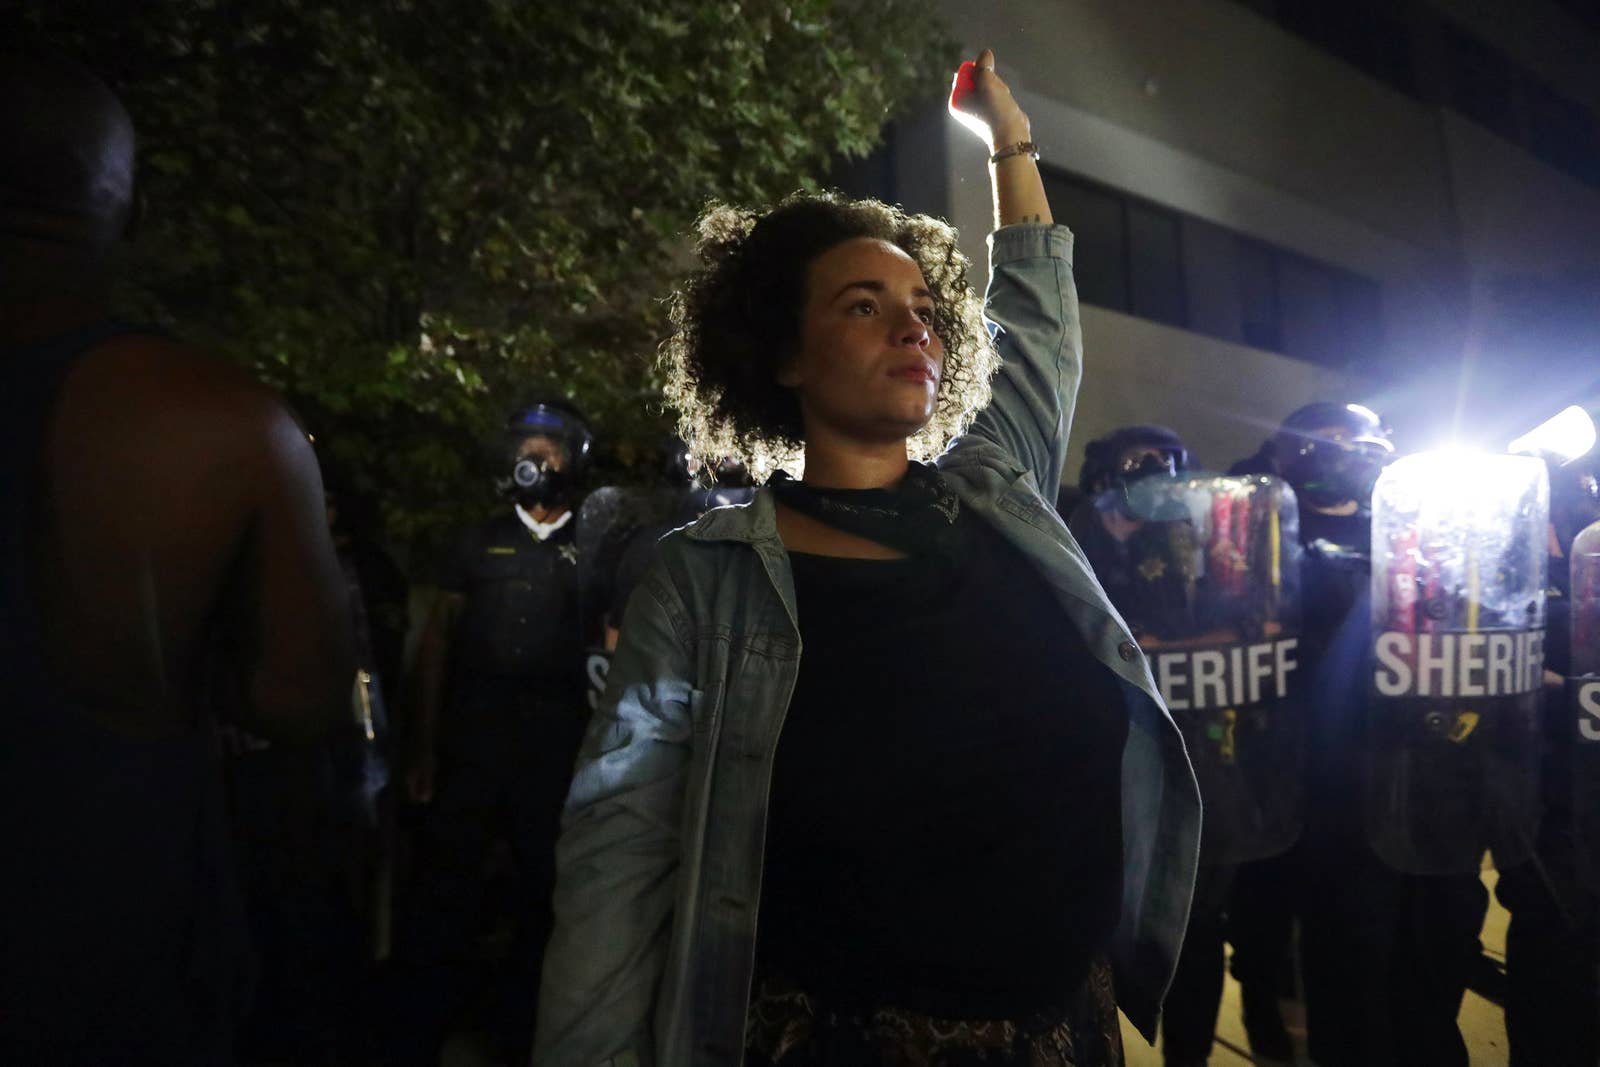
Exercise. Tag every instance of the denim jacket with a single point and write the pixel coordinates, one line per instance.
(660, 856)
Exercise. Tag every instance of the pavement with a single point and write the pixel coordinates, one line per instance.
(1483, 1023)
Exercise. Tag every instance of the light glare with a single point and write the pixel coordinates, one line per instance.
(1568, 434)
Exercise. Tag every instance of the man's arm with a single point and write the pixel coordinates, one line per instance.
(298, 682)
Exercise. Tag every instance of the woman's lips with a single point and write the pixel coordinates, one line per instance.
(915, 374)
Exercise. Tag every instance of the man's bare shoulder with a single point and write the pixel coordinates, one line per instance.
(155, 383)
(167, 370)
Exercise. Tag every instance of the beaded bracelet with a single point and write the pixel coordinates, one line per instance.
(1021, 148)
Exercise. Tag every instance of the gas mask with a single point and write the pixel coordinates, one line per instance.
(544, 476)
(1133, 489)
(1328, 473)
(1147, 466)
(534, 481)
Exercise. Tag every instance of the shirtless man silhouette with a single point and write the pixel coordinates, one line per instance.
(164, 555)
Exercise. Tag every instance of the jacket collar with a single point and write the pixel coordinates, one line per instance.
(757, 521)
(751, 523)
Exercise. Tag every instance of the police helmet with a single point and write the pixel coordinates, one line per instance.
(534, 482)
(1104, 466)
(1332, 453)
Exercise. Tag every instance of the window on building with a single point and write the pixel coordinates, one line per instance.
(1477, 78)
(1155, 264)
(1255, 270)
(1210, 269)
(1142, 259)
(1309, 311)
(1100, 245)
(1360, 318)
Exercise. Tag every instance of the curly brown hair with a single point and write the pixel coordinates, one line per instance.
(721, 364)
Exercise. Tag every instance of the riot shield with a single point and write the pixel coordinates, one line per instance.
(617, 529)
(1458, 616)
(1583, 689)
(1205, 569)
(608, 520)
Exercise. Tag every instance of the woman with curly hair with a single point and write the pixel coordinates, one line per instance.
(880, 777)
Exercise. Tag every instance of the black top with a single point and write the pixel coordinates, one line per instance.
(520, 620)
(1336, 661)
(945, 827)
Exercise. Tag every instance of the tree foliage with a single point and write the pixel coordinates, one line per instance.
(412, 215)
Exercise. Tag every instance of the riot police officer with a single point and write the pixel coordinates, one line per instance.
(1385, 954)
(1124, 546)
(619, 528)
(1553, 938)
(1138, 556)
(698, 491)
(1330, 453)
(1197, 566)
(498, 721)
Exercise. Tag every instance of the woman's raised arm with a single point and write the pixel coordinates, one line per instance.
(984, 104)
(1032, 303)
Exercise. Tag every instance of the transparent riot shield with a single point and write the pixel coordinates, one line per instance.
(1458, 617)
(1583, 688)
(1205, 569)
(617, 529)
(608, 521)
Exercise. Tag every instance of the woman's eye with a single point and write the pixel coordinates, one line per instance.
(864, 307)
(926, 315)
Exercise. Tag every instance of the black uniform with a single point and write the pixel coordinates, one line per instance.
(1138, 573)
(512, 724)
(1385, 955)
(1553, 939)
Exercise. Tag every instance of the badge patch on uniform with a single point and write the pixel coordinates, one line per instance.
(1152, 568)
(569, 553)
(1465, 723)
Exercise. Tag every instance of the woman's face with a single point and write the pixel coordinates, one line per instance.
(868, 364)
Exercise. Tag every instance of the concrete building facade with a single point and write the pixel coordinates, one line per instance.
(1278, 201)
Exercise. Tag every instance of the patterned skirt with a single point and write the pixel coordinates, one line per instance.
(787, 1027)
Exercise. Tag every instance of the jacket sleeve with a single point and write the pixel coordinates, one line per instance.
(1032, 312)
(618, 852)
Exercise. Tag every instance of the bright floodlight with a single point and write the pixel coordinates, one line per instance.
(1567, 434)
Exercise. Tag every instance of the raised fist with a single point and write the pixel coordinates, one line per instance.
(980, 101)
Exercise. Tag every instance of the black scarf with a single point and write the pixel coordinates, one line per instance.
(917, 517)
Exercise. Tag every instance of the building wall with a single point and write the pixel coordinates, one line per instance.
(1222, 399)
(1210, 109)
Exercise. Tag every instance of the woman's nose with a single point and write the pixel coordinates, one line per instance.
(913, 331)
